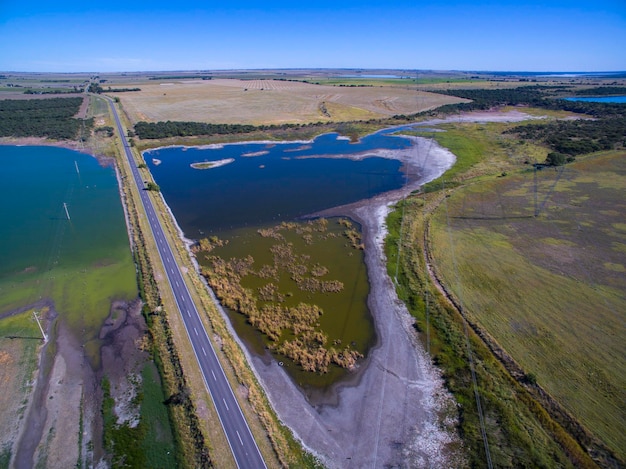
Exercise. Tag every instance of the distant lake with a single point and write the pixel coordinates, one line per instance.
(262, 183)
(599, 99)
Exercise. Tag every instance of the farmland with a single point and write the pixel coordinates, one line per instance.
(548, 290)
(534, 261)
(259, 101)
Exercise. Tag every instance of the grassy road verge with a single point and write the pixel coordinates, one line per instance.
(200, 443)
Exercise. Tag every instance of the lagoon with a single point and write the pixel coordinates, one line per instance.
(259, 184)
(268, 182)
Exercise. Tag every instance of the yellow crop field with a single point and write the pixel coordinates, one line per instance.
(233, 101)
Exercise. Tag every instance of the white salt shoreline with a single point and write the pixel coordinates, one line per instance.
(398, 394)
(202, 165)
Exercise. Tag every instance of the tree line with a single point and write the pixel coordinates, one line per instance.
(566, 139)
(602, 91)
(153, 130)
(542, 96)
(96, 88)
(51, 118)
(576, 137)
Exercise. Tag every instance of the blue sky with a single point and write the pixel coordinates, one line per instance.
(524, 35)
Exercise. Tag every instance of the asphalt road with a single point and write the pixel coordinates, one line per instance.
(242, 444)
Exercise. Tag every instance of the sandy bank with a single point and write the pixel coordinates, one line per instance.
(68, 144)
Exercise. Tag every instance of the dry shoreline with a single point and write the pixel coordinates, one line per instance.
(66, 394)
(68, 144)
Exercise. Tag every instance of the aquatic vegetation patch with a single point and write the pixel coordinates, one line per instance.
(285, 287)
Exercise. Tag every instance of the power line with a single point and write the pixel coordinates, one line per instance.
(468, 346)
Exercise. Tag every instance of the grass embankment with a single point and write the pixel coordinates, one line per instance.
(200, 441)
(519, 308)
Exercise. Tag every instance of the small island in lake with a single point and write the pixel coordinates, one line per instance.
(211, 164)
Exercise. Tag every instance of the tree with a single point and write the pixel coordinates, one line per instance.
(95, 88)
(556, 159)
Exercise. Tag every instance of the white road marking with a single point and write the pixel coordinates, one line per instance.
(213, 375)
(224, 400)
(195, 330)
(240, 440)
(204, 351)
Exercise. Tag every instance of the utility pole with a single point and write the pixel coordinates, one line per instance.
(45, 337)
(535, 188)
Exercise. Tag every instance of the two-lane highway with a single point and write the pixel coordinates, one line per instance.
(242, 444)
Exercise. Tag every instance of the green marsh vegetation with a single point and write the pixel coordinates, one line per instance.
(148, 442)
(305, 291)
(547, 291)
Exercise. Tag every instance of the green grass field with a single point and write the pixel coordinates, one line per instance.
(549, 289)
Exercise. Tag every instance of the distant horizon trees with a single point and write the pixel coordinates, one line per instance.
(97, 89)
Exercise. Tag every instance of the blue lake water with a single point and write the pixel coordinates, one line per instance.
(80, 263)
(35, 182)
(274, 182)
(600, 99)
